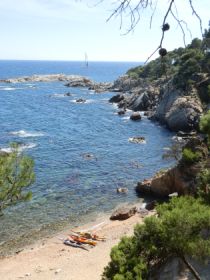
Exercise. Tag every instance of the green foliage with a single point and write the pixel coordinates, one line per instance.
(182, 64)
(205, 125)
(125, 264)
(196, 44)
(189, 64)
(190, 157)
(176, 232)
(16, 174)
(158, 67)
(204, 185)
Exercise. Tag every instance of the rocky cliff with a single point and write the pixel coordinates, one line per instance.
(177, 109)
(181, 178)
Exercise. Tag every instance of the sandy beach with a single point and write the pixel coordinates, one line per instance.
(51, 259)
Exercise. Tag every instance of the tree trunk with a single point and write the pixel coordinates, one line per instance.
(191, 268)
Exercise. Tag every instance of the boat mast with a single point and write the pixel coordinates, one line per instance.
(86, 60)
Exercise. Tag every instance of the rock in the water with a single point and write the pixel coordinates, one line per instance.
(122, 190)
(88, 156)
(116, 98)
(135, 116)
(121, 112)
(123, 213)
(80, 100)
(137, 140)
(67, 94)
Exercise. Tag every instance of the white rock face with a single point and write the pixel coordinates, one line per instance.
(179, 111)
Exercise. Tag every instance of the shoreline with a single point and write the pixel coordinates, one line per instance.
(50, 258)
(30, 239)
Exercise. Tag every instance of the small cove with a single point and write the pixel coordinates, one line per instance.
(71, 188)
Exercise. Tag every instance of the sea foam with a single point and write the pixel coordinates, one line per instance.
(21, 147)
(24, 134)
(7, 88)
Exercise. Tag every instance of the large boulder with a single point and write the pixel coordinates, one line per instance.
(180, 179)
(178, 110)
(123, 213)
(116, 98)
(136, 116)
(144, 99)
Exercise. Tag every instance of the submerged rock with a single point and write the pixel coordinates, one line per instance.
(122, 190)
(123, 213)
(81, 100)
(68, 94)
(137, 140)
(88, 156)
(121, 112)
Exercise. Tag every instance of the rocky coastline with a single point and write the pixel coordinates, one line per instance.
(71, 81)
(180, 111)
(177, 109)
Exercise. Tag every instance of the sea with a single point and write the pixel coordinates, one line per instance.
(81, 151)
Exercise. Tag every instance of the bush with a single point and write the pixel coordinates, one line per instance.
(190, 157)
(176, 232)
(205, 125)
(204, 185)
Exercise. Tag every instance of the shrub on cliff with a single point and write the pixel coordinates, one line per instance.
(190, 157)
(176, 232)
(180, 64)
(205, 125)
(16, 174)
(204, 185)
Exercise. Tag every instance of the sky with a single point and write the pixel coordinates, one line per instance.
(67, 29)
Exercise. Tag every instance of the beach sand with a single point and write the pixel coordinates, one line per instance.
(51, 259)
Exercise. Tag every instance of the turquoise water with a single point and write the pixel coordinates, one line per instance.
(58, 133)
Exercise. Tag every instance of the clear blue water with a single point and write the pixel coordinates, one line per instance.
(58, 132)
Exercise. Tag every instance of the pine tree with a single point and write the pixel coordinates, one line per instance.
(16, 174)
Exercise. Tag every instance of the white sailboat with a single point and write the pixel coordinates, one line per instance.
(86, 60)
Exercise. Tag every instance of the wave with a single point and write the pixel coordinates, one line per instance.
(31, 85)
(24, 134)
(8, 88)
(21, 147)
(126, 118)
(58, 95)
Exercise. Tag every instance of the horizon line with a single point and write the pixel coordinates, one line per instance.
(61, 60)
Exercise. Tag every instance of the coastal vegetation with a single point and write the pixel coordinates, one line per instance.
(180, 230)
(181, 227)
(185, 65)
(16, 174)
(205, 125)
